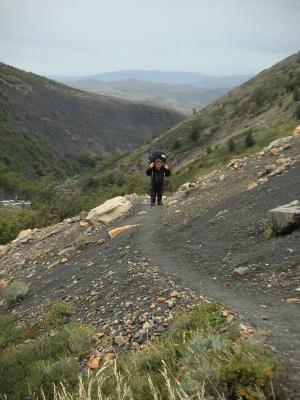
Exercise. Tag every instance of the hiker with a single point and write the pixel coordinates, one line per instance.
(157, 169)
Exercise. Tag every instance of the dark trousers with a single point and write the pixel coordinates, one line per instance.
(156, 192)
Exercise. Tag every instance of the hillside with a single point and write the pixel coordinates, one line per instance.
(183, 98)
(145, 299)
(49, 129)
(74, 122)
(240, 122)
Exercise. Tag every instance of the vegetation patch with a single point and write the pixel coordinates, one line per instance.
(15, 292)
(30, 364)
(202, 356)
(59, 313)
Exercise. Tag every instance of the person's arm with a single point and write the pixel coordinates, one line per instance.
(149, 170)
(167, 171)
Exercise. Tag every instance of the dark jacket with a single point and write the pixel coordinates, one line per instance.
(158, 177)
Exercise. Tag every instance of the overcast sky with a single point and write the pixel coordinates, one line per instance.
(81, 37)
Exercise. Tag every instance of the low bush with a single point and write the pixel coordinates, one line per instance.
(297, 112)
(231, 145)
(15, 292)
(58, 313)
(81, 240)
(249, 141)
(27, 366)
(79, 338)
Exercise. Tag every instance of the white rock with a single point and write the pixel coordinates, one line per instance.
(3, 250)
(23, 234)
(279, 142)
(110, 210)
(284, 219)
(172, 202)
(184, 187)
(240, 271)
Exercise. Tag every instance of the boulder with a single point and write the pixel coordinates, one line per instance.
(297, 131)
(240, 271)
(286, 218)
(252, 185)
(120, 340)
(3, 250)
(267, 170)
(279, 142)
(94, 362)
(172, 202)
(284, 161)
(279, 170)
(110, 210)
(23, 234)
(184, 187)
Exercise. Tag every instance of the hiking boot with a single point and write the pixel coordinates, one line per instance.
(160, 204)
(152, 204)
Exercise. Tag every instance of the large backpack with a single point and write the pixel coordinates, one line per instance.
(155, 154)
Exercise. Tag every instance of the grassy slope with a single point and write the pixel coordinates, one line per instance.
(264, 107)
(202, 356)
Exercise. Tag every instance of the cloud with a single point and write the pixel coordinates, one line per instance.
(76, 37)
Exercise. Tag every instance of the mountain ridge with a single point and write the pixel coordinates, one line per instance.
(174, 77)
(184, 98)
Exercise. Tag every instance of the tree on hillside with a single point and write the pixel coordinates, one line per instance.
(195, 134)
(231, 145)
(298, 111)
(249, 141)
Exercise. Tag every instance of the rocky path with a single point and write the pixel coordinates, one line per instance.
(223, 254)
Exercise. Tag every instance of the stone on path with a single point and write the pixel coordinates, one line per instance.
(117, 231)
(110, 210)
(286, 218)
(297, 131)
(252, 185)
(240, 271)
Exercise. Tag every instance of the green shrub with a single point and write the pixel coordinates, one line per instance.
(12, 221)
(249, 141)
(176, 144)
(43, 361)
(82, 240)
(296, 94)
(47, 373)
(10, 334)
(15, 292)
(59, 312)
(195, 134)
(231, 145)
(298, 111)
(79, 338)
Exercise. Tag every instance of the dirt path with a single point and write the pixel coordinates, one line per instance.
(203, 253)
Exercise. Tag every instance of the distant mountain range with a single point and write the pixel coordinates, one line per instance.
(183, 91)
(171, 77)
